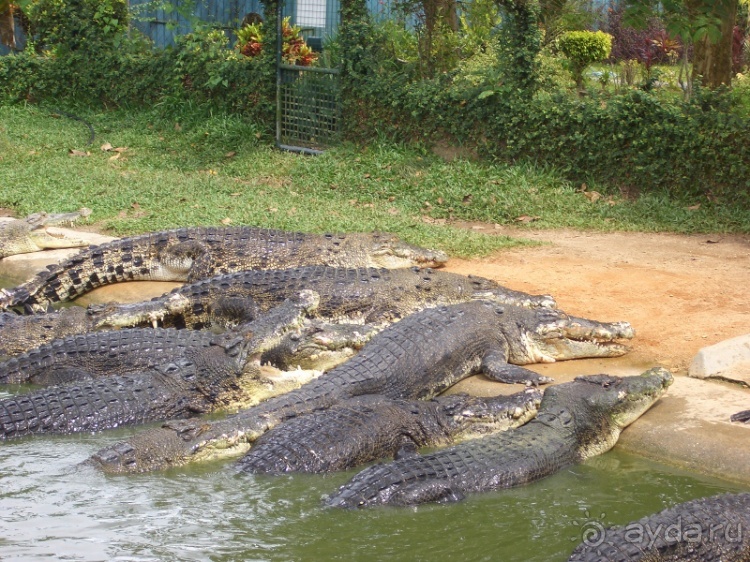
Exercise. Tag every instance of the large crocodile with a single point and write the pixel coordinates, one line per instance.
(37, 232)
(314, 345)
(415, 358)
(576, 420)
(702, 530)
(190, 254)
(371, 295)
(370, 427)
(196, 379)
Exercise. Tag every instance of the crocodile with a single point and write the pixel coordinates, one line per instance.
(370, 427)
(200, 379)
(742, 417)
(575, 421)
(700, 530)
(368, 295)
(314, 345)
(418, 357)
(37, 232)
(190, 254)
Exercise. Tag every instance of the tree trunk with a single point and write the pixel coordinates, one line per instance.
(712, 61)
(7, 26)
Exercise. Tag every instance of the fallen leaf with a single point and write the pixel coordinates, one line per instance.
(115, 156)
(391, 199)
(467, 199)
(230, 154)
(694, 207)
(74, 152)
(135, 205)
(272, 209)
(235, 194)
(366, 176)
(106, 147)
(582, 189)
(526, 218)
(427, 204)
(226, 220)
(120, 149)
(440, 200)
(709, 241)
(592, 196)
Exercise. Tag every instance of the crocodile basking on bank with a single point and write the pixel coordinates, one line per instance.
(371, 295)
(576, 420)
(36, 233)
(371, 427)
(198, 379)
(190, 254)
(702, 530)
(314, 345)
(415, 358)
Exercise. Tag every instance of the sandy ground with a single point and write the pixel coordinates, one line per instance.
(681, 293)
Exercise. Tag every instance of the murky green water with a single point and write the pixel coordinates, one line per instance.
(52, 509)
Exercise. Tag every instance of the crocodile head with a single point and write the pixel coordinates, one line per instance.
(544, 335)
(599, 407)
(319, 345)
(36, 232)
(478, 416)
(391, 252)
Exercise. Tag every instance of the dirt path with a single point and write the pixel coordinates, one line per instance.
(680, 293)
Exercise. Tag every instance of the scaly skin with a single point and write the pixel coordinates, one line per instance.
(575, 421)
(742, 417)
(713, 529)
(36, 233)
(361, 295)
(312, 346)
(190, 254)
(416, 358)
(369, 295)
(198, 379)
(370, 427)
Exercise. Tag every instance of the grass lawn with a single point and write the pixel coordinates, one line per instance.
(199, 170)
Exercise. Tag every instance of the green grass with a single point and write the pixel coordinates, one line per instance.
(203, 170)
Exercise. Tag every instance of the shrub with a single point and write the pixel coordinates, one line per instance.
(582, 48)
(74, 25)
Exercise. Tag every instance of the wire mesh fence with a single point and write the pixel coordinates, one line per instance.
(308, 110)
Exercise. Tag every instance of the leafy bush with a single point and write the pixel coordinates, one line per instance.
(74, 25)
(582, 48)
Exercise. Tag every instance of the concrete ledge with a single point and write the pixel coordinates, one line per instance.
(721, 358)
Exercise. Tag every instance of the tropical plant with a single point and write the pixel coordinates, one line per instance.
(294, 49)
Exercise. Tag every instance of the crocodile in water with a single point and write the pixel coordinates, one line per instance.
(702, 530)
(576, 420)
(415, 358)
(371, 427)
(196, 379)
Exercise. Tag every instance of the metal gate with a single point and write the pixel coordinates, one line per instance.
(308, 107)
